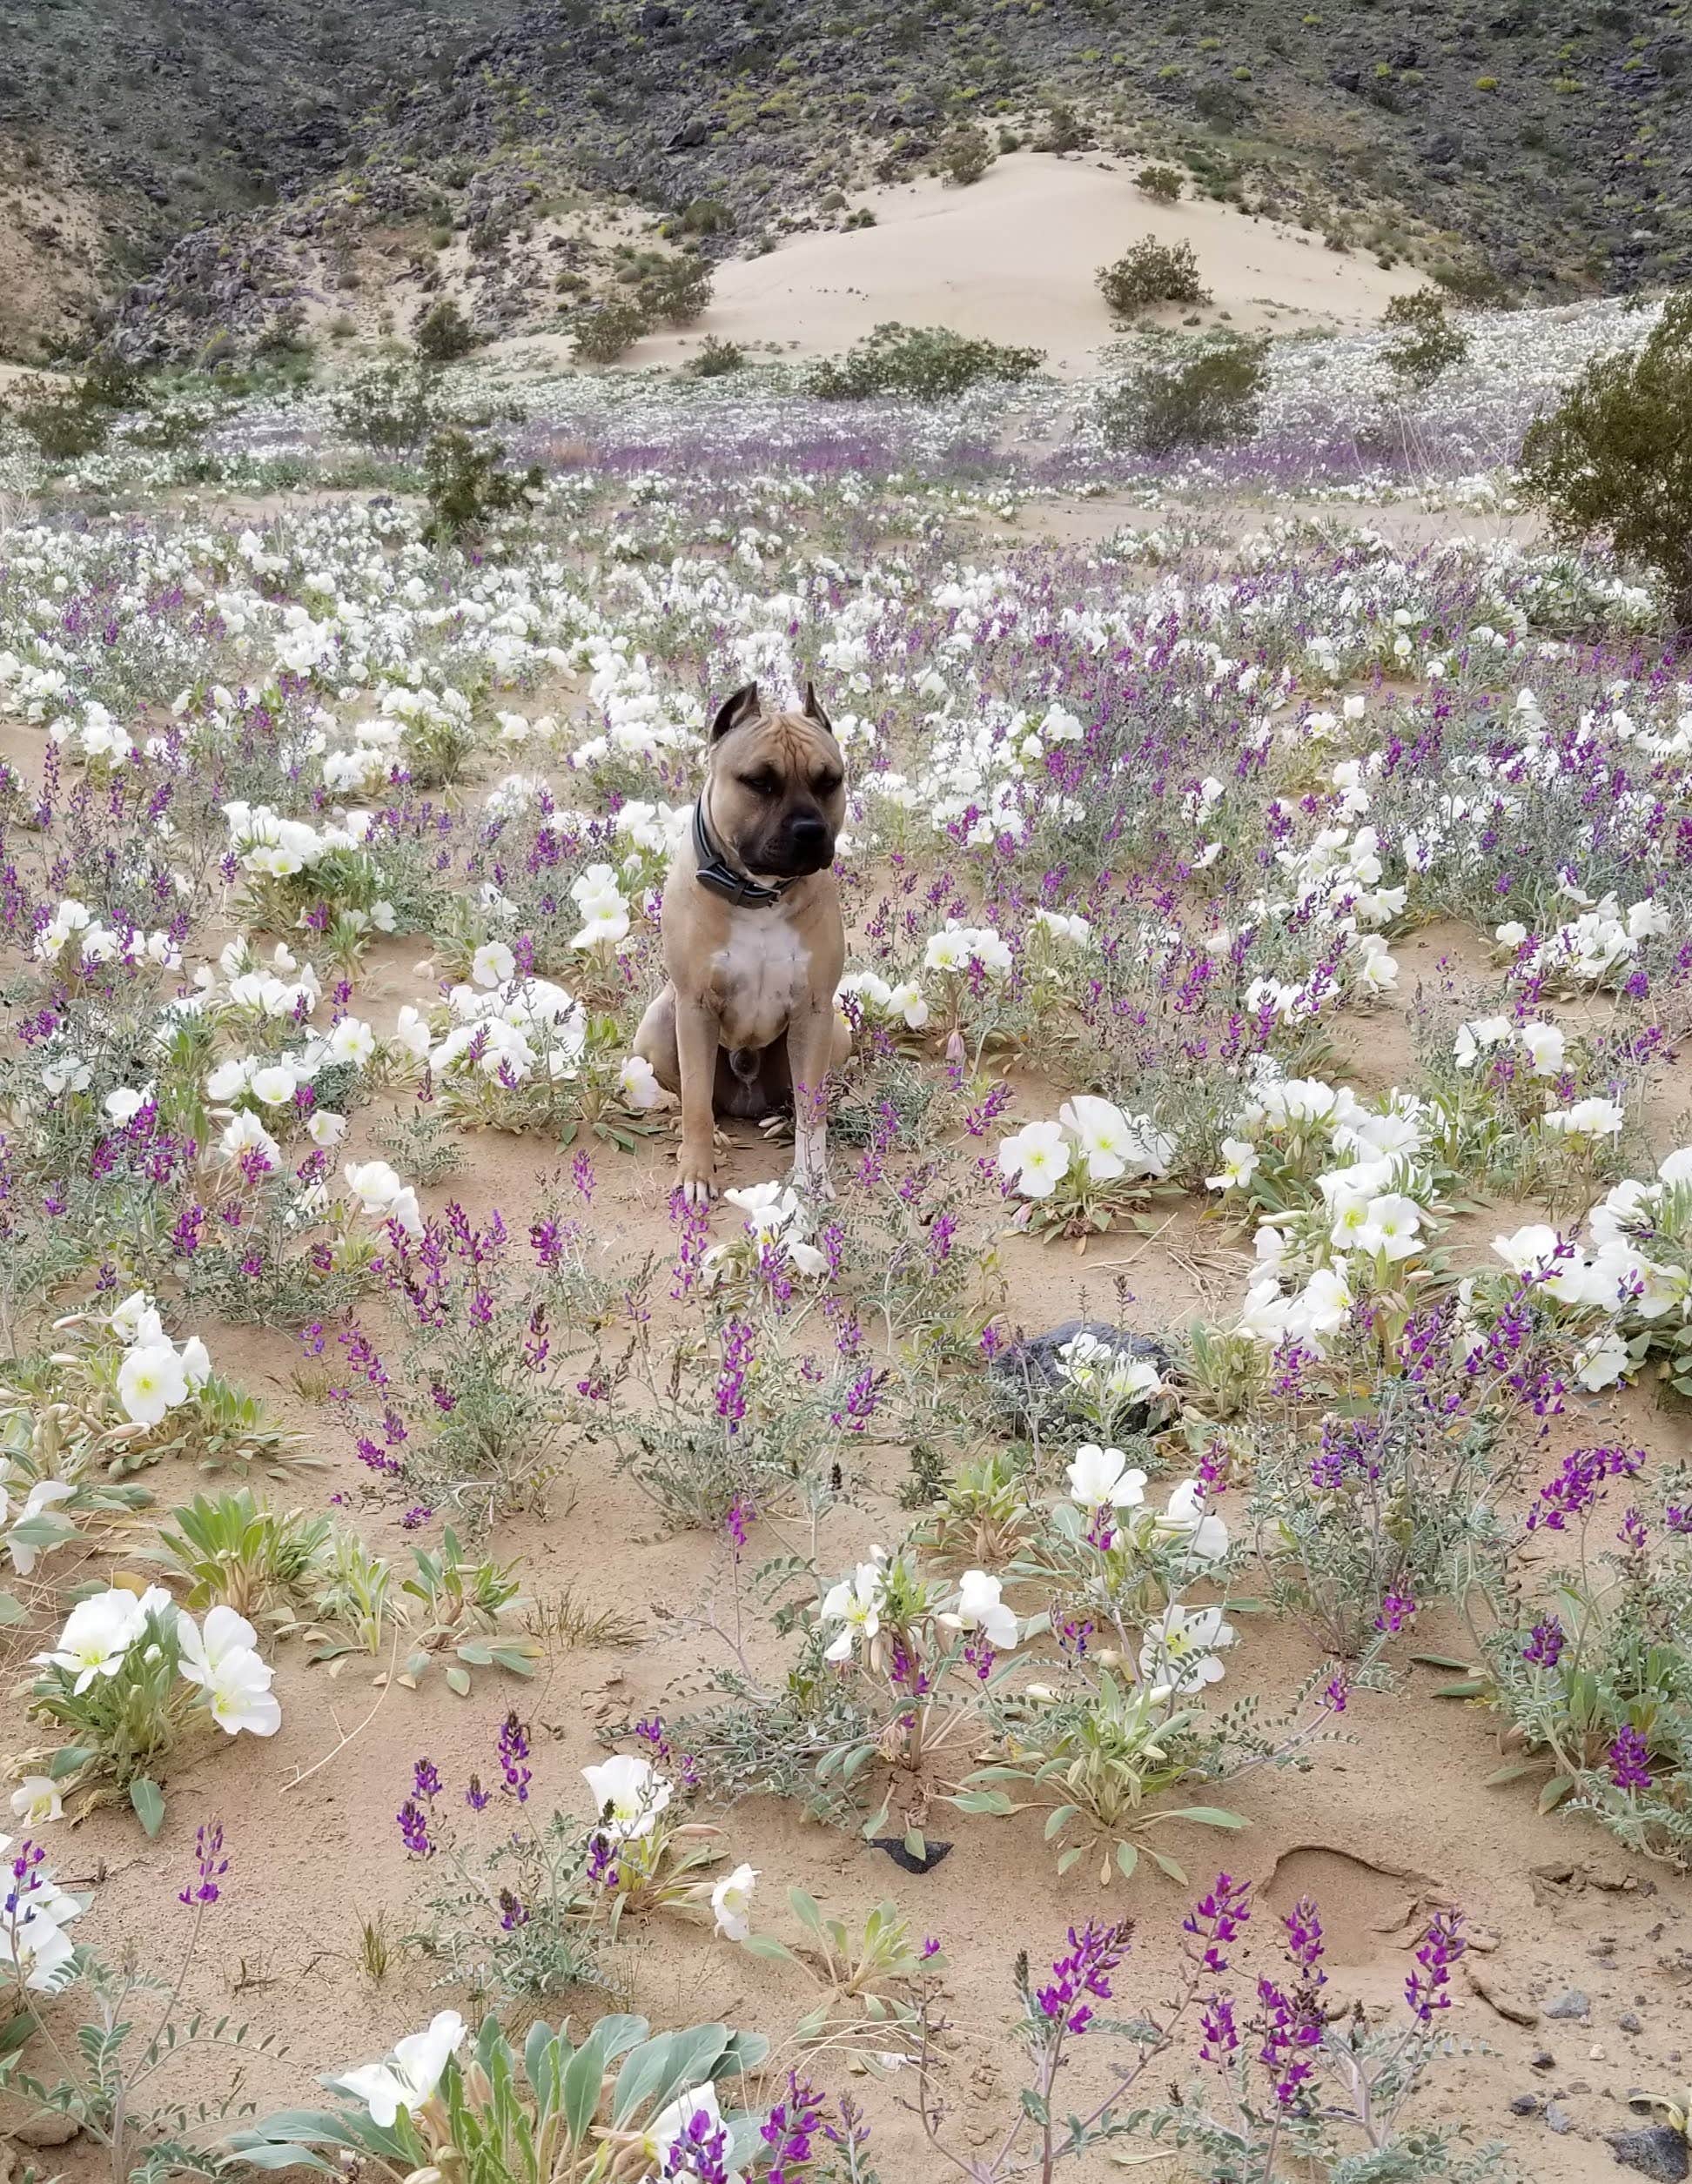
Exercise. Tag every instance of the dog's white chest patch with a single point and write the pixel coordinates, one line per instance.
(759, 972)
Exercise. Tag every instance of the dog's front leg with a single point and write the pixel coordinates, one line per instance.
(696, 1043)
(810, 1042)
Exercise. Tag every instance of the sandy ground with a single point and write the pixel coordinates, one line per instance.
(1014, 258)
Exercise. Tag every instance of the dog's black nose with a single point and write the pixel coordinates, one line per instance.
(809, 840)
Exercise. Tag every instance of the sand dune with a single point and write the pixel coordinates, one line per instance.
(1013, 257)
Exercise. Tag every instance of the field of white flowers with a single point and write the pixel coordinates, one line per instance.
(1150, 1629)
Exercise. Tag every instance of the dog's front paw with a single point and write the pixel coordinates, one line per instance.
(698, 1175)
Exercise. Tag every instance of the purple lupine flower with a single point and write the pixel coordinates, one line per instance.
(700, 2152)
(1216, 1919)
(209, 1867)
(475, 1797)
(426, 1780)
(1396, 1610)
(1442, 1945)
(1630, 1759)
(1577, 1486)
(413, 1824)
(1093, 1955)
(1219, 2036)
(1545, 1643)
(514, 1749)
(1304, 1939)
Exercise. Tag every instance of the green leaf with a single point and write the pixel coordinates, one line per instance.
(1471, 1687)
(1068, 1857)
(914, 1847)
(11, 1610)
(148, 1802)
(1206, 1816)
(1554, 1791)
(1512, 1773)
(458, 1680)
(1127, 1858)
(578, 2092)
(1176, 1872)
(994, 1801)
(1443, 1660)
(766, 1944)
(1058, 1820)
(806, 1911)
(672, 2064)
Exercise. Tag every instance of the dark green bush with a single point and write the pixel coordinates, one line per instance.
(1209, 395)
(58, 418)
(444, 333)
(1152, 272)
(1428, 344)
(1614, 459)
(466, 487)
(1162, 182)
(966, 152)
(676, 291)
(716, 359)
(389, 405)
(928, 362)
(602, 335)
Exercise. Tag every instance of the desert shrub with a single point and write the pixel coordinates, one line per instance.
(1208, 396)
(677, 291)
(443, 332)
(1615, 456)
(59, 418)
(603, 334)
(1427, 343)
(1159, 182)
(466, 486)
(1152, 272)
(716, 359)
(707, 216)
(389, 405)
(928, 362)
(965, 155)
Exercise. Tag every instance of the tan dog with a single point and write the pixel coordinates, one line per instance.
(753, 939)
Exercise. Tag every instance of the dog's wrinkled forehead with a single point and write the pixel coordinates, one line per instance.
(799, 748)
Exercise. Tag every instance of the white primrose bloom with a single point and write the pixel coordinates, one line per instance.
(1392, 1225)
(493, 964)
(325, 1128)
(1101, 1478)
(1544, 1046)
(1240, 1161)
(411, 2073)
(731, 1902)
(1588, 1118)
(628, 1795)
(151, 1380)
(44, 1495)
(382, 1195)
(37, 1802)
(353, 1041)
(980, 1606)
(224, 1661)
(639, 1084)
(1035, 1160)
(855, 1603)
(1478, 1037)
(99, 1632)
(1188, 1516)
(136, 1320)
(1179, 1648)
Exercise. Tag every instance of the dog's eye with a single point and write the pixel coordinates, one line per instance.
(826, 784)
(760, 784)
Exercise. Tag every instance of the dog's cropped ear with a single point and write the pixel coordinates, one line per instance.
(814, 712)
(742, 705)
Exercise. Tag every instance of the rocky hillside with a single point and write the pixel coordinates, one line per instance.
(242, 161)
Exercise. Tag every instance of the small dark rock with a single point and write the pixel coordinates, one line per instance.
(1658, 2152)
(1573, 2004)
(1029, 1375)
(1627, 2022)
(903, 1858)
(1541, 2059)
(1558, 2119)
(1346, 79)
(1525, 2104)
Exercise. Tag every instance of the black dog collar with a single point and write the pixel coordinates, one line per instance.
(719, 877)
